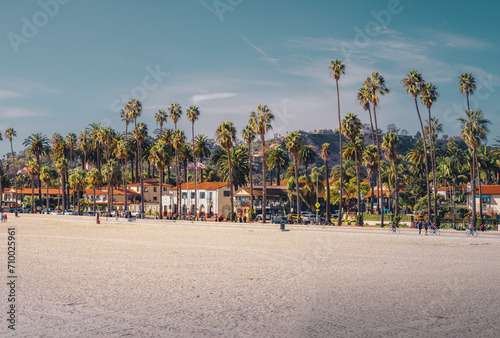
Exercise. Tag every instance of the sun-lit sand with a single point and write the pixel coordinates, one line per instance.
(157, 278)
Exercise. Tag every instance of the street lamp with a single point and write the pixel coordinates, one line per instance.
(362, 207)
(454, 210)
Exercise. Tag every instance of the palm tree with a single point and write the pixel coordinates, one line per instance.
(9, 134)
(413, 83)
(351, 126)
(193, 113)
(338, 69)
(325, 156)
(84, 143)
(277, 158)
(370, 162)
(175, 112)
(108, 138)
(239, 166)
(160, 118)
(140, 135)
(467, 85)
(364, 100)
(161, 158)
(113, 171)
(77, 181)
(226, 137)
(248, 135)
(474, 130)
(201, 149)
(37, 145)
(260, 122)
(134, 111)
(71, 140)
(62, 169)
(376, 85)
(307, 155)
(47, 175)
(294, 144)
(121, 153)
(94, 178)
(389, 145)
(34, 171)
(178, 138)
(428, 96)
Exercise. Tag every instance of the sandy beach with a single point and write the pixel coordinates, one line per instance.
(166, 279)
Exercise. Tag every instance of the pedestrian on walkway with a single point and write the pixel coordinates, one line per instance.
(419, 227)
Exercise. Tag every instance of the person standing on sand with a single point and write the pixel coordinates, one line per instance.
(426, 225)
(419, 227)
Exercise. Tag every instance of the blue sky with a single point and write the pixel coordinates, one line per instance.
(66, 64)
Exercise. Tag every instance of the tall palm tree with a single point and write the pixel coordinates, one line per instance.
(161, 118)
(307, 155)
(178, 139)
(175, 112)
(47, 175)
(277, 158)
(37, 145)
(226, 137)
(71, 140)
(239, 166)
(261, 122)
(121, 154)
(325, 156)
(467, 85)
(34, 171)
(474, 131)
(428, 96)
(161, 158)
(389, 143)
(140, 136)
(125, 117)
(107, 138)
(85, 143)
(351, 127)
(94, 178)
(370, 162)
(413, 84)
(62, 170)
(9, 134)
(375, 84)
(338, 69)
(193, 113)
(77, 180)
(248, 135)
(364, 100)
(201, 149)
(294, 144)
(134, 111)
(113, 171)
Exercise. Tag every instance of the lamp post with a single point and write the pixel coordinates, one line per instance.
(454, 210)
(362, 207)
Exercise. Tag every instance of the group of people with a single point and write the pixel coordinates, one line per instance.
(424, 224)
(3, 217)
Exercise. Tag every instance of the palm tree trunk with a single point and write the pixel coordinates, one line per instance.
(178, 182)
(327, 194)
(47, 197)
(473, 184)
(264, 192)
(125, 205)
(358, 185)
(161, 191)
(93, 199)
(340, 153)
(396, 187)
(433, 166)
(195, 176)
(251, 176)
(371, 124)
(15, 171)
(480, 191)
(141, 167)
(32, 194)
(297, 187)
(230, 184)
(426, 162)
(379, 169)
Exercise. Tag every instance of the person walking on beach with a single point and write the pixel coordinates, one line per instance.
(419, 227)
(426, 225)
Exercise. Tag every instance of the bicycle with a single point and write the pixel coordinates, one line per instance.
(434, 231)
(472, 232)
(394, 230)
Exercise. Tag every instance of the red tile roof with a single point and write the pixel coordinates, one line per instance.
(202, 186)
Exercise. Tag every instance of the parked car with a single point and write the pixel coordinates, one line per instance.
(279, 219)
(70, 212)
(258, 218)
(56, 212)
(88, 213)
(308, 218)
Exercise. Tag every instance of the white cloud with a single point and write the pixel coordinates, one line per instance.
(197, 99)
(11, 112)
(7, 94)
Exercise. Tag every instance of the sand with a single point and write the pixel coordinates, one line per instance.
(166, 279)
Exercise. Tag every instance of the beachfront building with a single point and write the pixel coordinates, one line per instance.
(277, 201)
(152, 195)
(9, 195)
(490, 197)
(101, 198)
(213, 200)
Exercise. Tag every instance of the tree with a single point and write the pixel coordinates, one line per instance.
(193, 113)
(134, 111)
(94, 178)
(161, 118)
(108, 137)
(389, 143)
(140, 136)
(338, 69)
(201, 149)
(239, 166)
(226, 137)
(77, 181)
(364, 100)
(294, 144)
(307, 155)
(121, 153)
(9, 134)
(428, 96)
(178, 138)
(37, 145)
(34, 171)
(376, 85)
(261, 122)
(62, 170)
(371, 164)
(161, 157)
(71, 141)
(47, 174)
(351, 127)
(474, 130)
(413, 84)
(325, 156)
(248, 135)
(467, 85)
(175, 112)
(277, 158)
(84, 143)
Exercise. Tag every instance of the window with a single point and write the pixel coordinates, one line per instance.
(202, 195)
(184, 195)
(155, 190)
(226, 193)
(211, 196)
(146, 189)
(192, 195)
(155, 198)
(487, 200)
(165, 188)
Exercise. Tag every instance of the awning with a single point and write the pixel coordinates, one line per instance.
(483, 196)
